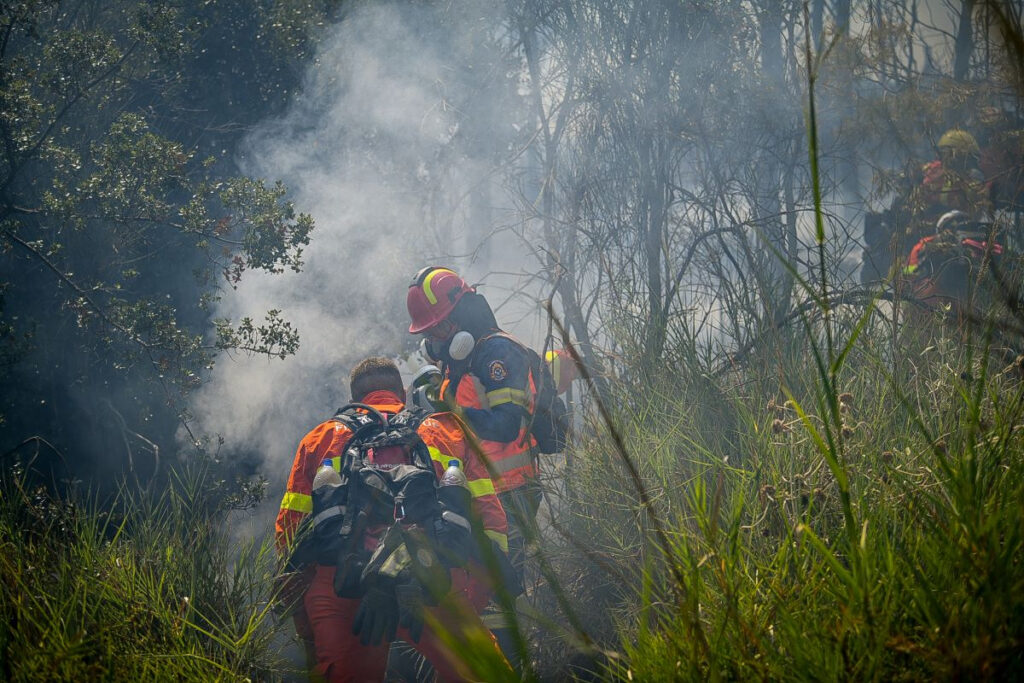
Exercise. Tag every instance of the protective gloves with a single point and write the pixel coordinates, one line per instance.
(454, 537)
(410, 599)
(377, 617)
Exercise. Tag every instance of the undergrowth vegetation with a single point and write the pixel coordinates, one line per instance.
(870, 532)
(145, 588)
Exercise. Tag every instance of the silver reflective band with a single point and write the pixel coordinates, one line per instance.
(513, 461)
(456, 519)
(335, 511)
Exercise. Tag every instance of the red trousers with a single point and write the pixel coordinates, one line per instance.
(342, 658)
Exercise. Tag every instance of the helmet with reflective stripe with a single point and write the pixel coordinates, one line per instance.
(432, 296)
(959, 141)
(952, 220)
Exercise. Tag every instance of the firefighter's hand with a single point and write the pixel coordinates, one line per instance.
(377, 618)
(410, 599)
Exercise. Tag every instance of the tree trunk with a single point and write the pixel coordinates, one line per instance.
(964, 41)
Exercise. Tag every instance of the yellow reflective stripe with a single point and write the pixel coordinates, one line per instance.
(298, 502)
(515, 396)
(498, 537)
(481, 487)
(437, 456)
(426, 283)
(477, 487)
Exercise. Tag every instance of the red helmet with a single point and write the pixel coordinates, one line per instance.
(432, 296)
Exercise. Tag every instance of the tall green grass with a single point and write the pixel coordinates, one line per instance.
(142, 588)
(846, 504)
(866, 528)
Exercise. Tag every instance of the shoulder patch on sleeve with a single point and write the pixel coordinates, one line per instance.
(497, 370)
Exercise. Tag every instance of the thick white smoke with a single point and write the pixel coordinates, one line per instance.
(378, 149)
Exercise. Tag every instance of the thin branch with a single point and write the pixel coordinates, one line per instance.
(37, 440)
(99, 310)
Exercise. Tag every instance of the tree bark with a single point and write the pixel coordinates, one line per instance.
(964, 41)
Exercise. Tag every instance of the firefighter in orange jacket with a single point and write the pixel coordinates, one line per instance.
(342, 655)
(489, 383)
(951, 182)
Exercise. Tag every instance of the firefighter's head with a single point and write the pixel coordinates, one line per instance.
(449, 313)
(958, 149)
(376, 373)
(432, 296)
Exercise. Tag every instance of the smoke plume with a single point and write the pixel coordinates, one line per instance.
(390, 146)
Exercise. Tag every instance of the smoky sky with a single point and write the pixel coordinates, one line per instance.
(390, 145)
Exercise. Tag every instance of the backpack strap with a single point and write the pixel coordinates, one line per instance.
(360, 419)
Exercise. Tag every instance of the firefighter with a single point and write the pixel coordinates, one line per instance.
(953, 182)
(944, 267)
(350, 634)
(488, 381)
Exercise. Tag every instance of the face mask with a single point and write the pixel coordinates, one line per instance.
(432, 350)
(457, 349)
(461, 345)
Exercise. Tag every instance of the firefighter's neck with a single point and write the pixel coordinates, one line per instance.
(383, 397)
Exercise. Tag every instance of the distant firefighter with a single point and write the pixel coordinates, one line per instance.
(953, 182)
(948, 266)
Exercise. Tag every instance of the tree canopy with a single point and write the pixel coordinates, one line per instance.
(122, 214)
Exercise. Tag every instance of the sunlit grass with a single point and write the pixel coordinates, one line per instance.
(140, 589)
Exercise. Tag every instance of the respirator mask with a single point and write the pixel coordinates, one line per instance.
(452, 350)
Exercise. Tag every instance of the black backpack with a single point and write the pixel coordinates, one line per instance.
(367, 495)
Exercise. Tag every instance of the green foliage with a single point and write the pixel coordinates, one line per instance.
(896, 555)
(121, 214)
(276, 337)
(145, 588)
(853, 512)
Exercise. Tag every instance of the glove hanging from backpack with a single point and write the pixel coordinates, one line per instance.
(404, 574)
(376, 620)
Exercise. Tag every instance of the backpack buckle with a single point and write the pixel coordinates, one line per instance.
(399, 512)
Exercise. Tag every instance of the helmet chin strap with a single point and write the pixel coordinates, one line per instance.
(461, 345)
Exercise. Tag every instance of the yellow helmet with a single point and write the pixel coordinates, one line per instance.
(959, 141)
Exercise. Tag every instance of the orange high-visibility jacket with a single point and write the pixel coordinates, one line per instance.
(444, 439)
(499, 374)
(943, 189)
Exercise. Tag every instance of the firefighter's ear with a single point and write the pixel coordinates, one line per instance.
(461, 345)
